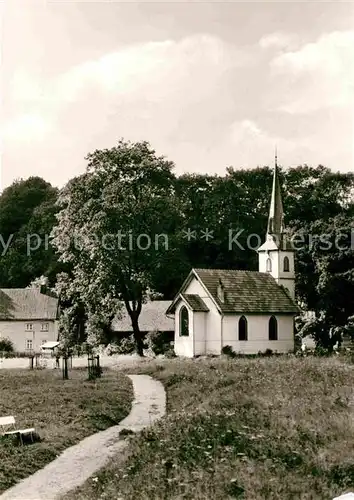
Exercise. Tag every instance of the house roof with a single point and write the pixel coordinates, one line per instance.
(245, 291)
(27, 304)
(195, 302)
(152, 317)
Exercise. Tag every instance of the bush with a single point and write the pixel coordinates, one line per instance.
(321, 351)
(125, 345)
(15, 354)
(86, 348)
(106, 350)
(170, 354)
(158, 342)
(227, 350)
(6, 345)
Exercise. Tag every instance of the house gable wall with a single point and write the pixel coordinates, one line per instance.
(16, 332)
(211, 336)
(204, 327)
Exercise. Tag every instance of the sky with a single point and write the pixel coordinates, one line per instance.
(208, 84)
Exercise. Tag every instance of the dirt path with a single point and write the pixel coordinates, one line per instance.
(76, 464)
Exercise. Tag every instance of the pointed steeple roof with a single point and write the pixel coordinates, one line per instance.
(276, 238)
(276, 213)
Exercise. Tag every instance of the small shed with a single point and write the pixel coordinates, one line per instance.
(48, 352)
(49, 349)
(152, 317)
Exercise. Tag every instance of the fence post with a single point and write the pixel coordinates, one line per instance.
(93, 364)
(31, 360)
(98, 368)
(65, 368)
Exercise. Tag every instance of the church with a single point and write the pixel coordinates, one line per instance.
(251, 311)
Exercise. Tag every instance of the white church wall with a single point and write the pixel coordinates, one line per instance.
(199, 329)
(262, 262)
(213, 342)
(287, 278)
(212, 330)
(258, 334)
(291, 272)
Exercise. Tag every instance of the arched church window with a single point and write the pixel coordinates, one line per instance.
(242, 329)
(273, 328)
(183, 322)
(286, 265)
(269, 265)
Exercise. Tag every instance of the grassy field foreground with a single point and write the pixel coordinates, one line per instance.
(276, 428)
(62, 411)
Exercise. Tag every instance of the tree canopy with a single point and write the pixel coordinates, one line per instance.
(117, 227)
(27, 216)
(120, 233)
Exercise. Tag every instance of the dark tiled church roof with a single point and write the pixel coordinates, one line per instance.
(247, 291)
(195, 302)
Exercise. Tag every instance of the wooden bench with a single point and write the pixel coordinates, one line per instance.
(7, 428)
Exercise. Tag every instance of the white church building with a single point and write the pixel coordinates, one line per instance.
(251, 311)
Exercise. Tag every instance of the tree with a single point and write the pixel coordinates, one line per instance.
(18, 202)
(325, 278)
(238, 201)
(119, 227)
(27, 215)
(313, 194)
(72, 316)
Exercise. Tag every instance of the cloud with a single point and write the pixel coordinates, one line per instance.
(165, 72)
(27, 127)
(250, 131)
(318, 75)
(256, 146)
(276, 40)
(24, 87)
(176, 94)
(132, 68)
(160, 68)
(200, 100)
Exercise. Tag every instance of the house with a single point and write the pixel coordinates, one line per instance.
(152, 317)
(28, 317)
(250, 311)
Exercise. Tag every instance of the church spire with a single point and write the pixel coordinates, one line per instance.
(276, 214)
(277, 256)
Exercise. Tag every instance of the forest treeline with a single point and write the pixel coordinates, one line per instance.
(132, 190)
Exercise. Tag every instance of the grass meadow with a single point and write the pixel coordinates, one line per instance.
(62, 411)
(266, 428)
